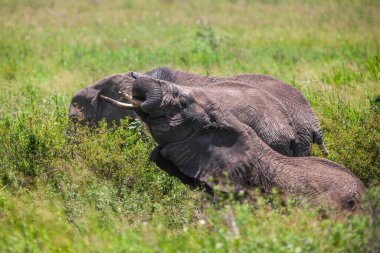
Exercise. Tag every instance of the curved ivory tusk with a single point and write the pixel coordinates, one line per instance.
(130, 99)
(119, 104)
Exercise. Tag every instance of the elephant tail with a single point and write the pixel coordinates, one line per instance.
(318, 138)
(323, 148)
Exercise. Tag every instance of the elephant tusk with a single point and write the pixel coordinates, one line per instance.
(119, 104)
(130, 99)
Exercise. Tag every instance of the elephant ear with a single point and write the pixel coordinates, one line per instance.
(208, 156)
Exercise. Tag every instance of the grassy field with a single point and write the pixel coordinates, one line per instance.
(100, 194)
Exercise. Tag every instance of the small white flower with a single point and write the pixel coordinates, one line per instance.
(202, 222)
(218, 245)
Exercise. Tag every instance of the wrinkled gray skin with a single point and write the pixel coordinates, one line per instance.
(302, 117)
(290, 130)
(199, 134)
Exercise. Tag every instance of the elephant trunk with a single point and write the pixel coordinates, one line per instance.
(149, 92)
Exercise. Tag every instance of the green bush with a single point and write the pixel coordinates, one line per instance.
(353, 137)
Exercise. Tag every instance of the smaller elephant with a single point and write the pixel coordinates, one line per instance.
(200, 135)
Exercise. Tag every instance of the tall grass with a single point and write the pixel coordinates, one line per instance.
(96, 191)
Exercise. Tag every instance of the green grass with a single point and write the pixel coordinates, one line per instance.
(96, 191)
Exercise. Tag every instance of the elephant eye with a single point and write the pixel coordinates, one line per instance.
(140, 97)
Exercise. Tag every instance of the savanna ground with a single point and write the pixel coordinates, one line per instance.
(98, 193)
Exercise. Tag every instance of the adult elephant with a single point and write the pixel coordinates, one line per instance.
(199, 133)
(301, 114)
(304, 128)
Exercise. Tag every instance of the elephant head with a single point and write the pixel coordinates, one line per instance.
(86, 107)
(201, 136)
